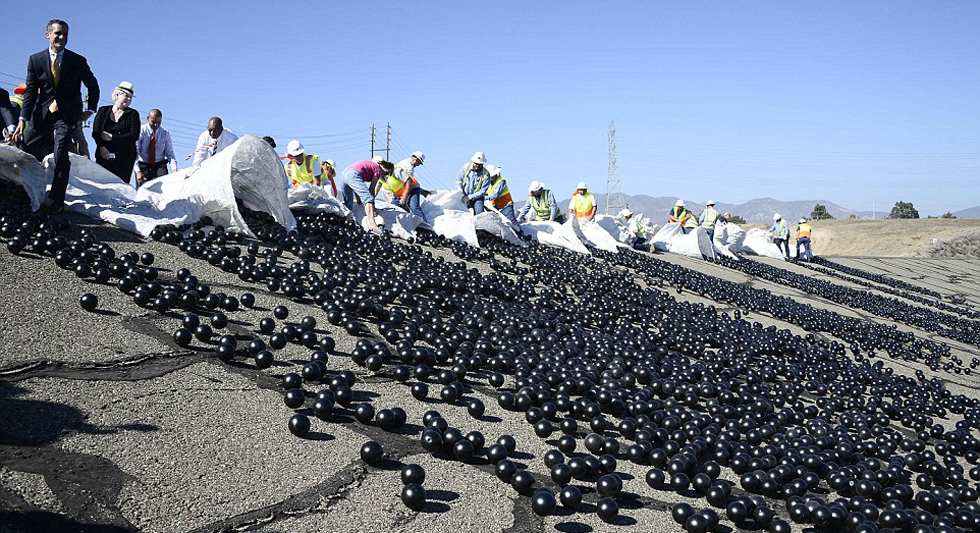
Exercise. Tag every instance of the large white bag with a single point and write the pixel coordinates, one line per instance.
(757, 243)
(671, 238)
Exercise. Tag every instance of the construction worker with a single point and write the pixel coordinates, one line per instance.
(403, 187)
(710, 217)
(636, 229)
(473, 181)
(329, 169)
(499, 194)
(682, 216)
(300, 167)
(541, 204)
(780, 234)
(583, 203)
(803, 231)
(16, 99)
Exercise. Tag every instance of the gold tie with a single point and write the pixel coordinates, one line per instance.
(55, 74)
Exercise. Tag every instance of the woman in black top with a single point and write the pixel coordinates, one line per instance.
(115, 129)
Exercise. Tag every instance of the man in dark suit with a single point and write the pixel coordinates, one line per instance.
(53, 105)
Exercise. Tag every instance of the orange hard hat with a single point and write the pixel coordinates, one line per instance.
(20, 89)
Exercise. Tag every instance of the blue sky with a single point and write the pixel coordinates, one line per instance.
(860, 103)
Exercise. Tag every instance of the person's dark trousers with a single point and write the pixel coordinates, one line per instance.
(783, 245)
(154, 171)
(62, 136)
(639, 244)
(807, 253)
(711, 235)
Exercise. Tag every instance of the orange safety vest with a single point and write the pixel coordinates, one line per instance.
(505, 198)
(583, 204)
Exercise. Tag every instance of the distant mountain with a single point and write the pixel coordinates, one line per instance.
(973, 212)
(758, 211)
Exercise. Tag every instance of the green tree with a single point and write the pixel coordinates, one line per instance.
(735, 219)
(904, 210)
(852, 215)
(820, 213)
(948, 215)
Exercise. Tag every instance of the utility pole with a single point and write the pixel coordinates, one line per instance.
(615, 201)
(387, 148)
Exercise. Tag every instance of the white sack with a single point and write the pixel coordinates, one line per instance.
(243, 170)
(592, 234)
(555, 234)
(704, 242)
(671, 238)
(495, 223)
(309, 197)
(449, 217)
(757, 243)
(728, 239)
(615, 226)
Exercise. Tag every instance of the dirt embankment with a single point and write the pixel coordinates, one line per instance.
(897, 238)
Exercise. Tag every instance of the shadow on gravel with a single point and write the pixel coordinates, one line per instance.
(32, 422)
(45, 522)
(573, 527)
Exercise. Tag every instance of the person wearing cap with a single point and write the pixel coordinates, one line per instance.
(115, 129)
(541, 205)
(803, 231)
(498, 194)
(636, 229)
(53, 105)
(212, 141)
(403, 188)
(358, 181)
(709, 218)
(682, 216)
(329, 169)
(473, 181)
(583, 204)
(301, 167)
(780, 234)
(154, 149)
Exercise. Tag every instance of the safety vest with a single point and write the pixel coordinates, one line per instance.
(782, 230)
(710, 219)
(583, 204)
(302, 173)
(678, 213)
(637, 227)
(803, 230)
(504, 199)
(397, 186)
(542, 205)
(482, 177)
(17, 99)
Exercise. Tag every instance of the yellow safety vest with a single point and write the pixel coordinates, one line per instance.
(396, 186)
(542, 207)
(583, 204)
(505, 198)
(803, 230)
(678, 215)
(301, 173)
(709, 221)
(636, 227)
(17, 99)
(482, 177)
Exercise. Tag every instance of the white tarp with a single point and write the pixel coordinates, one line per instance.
(757, 243)
(248, 170)
(671, 238)
(309, 197)
(728, 239)
(495, 223)
(619, 227)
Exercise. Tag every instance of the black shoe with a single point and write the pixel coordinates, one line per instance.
(51, 209)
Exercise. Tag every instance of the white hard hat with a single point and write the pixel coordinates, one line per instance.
(535, 186)
(377, 159)
(581, 185)
(493, 170)
(479, 158)
(802, 221)
(679, 203)
(330, 163)
(626, 212)
(419, 155)
(777, 216)
(497, 171)
(710, 202)
(295, 147)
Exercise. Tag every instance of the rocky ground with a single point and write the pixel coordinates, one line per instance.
(106, 424)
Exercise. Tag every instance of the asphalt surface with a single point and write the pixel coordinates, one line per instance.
(106, 425)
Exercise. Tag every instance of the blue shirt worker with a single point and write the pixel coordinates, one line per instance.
(780, 234)
(541, 205)
(499, 194)
(474, 181)
(709, 218)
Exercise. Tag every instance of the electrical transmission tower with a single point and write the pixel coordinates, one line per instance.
(615, 201)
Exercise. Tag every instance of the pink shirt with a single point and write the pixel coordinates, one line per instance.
(368, 169)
